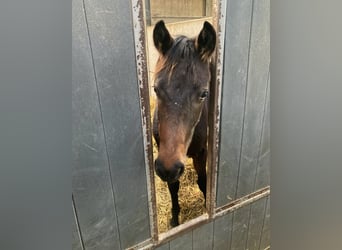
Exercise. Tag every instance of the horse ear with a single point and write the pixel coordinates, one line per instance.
(162, 38)
(206, 41)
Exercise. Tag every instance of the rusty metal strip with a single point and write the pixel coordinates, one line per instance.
(145, 245)
(141, 62)
(183, 228)
(215, 105)
(243, 201)
(203, 219)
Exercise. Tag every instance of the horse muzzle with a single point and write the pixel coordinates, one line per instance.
(170, 174)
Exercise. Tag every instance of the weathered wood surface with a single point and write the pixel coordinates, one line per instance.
(238, 22)
(259, 62)
(244, 101)
(109, 177)
(266, 235)
(222, 232)
(112, 41)
(202, 237)
(264, 160)
(256, 220)
(165, 246)
(76, 238)
(240, 228)
(183, 242)
(245, 228)
(91, 182)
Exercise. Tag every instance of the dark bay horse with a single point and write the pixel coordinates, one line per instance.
(182, 77)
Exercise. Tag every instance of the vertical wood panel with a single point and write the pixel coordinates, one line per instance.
(222, 232)
(237, 35)
(76, 238)
(91, 183)
(183, 242)
(265, 237)
(165, 246)
(111, 32)
(240, 226)
(255, 224)
(259, 59)
(264, 161)
(202, 237)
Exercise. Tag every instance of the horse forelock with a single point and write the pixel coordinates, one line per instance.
(182, 51)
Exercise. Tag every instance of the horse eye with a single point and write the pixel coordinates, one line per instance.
(204, 94)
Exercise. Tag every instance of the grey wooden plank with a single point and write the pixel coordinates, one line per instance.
(165, 246)
(111, 32)
(222, 232)
(76, 237)
(202, 237)
(255, 224)
(264, 162)
(183, 242)
(259, 59)
(238, 20)
(91, 184)
(240, 228)
(265, 239)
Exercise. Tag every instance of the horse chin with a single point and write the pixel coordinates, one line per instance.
(168, 180)
(176, 178)
(173, 180)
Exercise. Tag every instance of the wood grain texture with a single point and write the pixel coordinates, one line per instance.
(76, 239)
(264, 160)
(91, 183)
(235, 68)
(111, 34)
(256, 219)
(240, 228)
(202, 237)
(183, 242)
(259, 59)
(265, 237)
(222, 232)
(165, 246)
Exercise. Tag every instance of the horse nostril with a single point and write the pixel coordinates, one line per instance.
(179, 167)
(170, 174)
(159, 167)
(158, 163)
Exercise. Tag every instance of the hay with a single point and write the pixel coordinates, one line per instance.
(191, 199)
